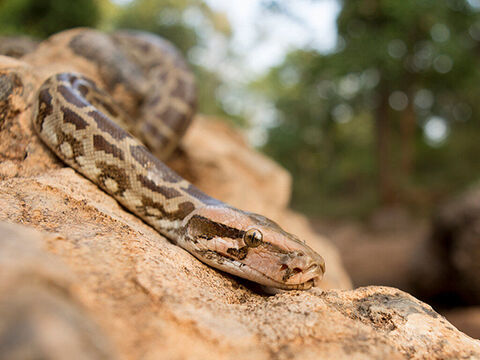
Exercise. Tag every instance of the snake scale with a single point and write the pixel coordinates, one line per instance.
(86, 127)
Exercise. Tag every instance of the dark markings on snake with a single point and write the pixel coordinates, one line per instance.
(110, 108)
(197, 194)
(211, 255)
(290, 272)
(148, 161)
(184, 209)
(77, 146)
(172, 118)
(71, 97)
(89, 84)
(45, 107)
(107, 125)
(153, 100)
(207, 229)
(162, 78)
(114, 66)
(152, 130)
(240, 254)
(100, 144)
(166, 191)
(115, 173)
(180, 90)
(142, 44)
(83, 89)
(66, 77)
(72, 118)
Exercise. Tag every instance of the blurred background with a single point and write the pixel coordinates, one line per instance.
(372, 106)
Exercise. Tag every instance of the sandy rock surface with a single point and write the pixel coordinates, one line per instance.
(150, 299)
(40, 314)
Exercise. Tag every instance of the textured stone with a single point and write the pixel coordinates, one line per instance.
(150, 298)
(40, 315)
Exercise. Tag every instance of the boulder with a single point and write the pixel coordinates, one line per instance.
(111, 283)
(41, 315)
(106, 280)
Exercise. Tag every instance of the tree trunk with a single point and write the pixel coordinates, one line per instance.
(407, 128)
(383, 129)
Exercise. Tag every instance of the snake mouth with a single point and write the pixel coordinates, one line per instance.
(261, 277)
(235, 267)
(303, 286)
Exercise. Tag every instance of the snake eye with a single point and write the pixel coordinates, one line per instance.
(253, 238)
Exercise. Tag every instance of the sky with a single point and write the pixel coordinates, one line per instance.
(266, 42)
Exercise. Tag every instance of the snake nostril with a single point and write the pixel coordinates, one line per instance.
(296, 270)
(283, 267)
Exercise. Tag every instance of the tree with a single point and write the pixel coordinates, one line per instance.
(409, 72)
(41, 18)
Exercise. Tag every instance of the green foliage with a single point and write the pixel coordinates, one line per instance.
(41, 18)
(353, 123)
(162, 17)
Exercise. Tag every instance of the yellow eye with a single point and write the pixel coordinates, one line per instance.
(253, 238)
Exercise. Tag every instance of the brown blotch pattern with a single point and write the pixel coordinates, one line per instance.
(147, 160)
(71, 97)
(166, 191)
(107, 125)
(82, 89)
(172, 118)
(107, 106)
(290, 272)
(77, 146)
(115, 173)
(180, 90)
(152, 130)
(100, 144)
(208, 229)
(45, 107)
(72, 118)
(99, 48)
(240, 254)
(184, 209)
(199, 195)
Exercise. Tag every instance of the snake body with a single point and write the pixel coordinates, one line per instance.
(86, 128)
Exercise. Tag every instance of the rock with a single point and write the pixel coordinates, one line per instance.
(151, 298)
(40, 316)
(447, 264)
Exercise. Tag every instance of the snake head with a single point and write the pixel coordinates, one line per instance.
(252, 247)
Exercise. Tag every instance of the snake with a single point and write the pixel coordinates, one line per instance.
(117, 135)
